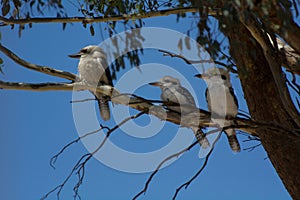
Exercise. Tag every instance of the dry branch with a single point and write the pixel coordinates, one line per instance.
(189, 62)
(177, 154)
(79, 167)
(193, 119)
(38, 68)
(85, 20)
(186, 184)
(55, 157)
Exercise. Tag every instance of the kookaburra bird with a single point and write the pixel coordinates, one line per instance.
(173, 92)
(93, 70)
(222, 102)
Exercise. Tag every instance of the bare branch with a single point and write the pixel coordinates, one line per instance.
(39, 87)
(190, 62)
(158, 168)
(85, 20)
(54, 158)
(196, 118)
(249, 149)
(169, 158)
(83, 100)
(186, 184)
(79, 168)
(251, 138)
(38, 68)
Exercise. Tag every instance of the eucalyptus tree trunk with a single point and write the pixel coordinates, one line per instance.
(264, 103)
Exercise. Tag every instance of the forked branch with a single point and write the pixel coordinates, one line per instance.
(79, 168)
(143, 191)
(186, 184)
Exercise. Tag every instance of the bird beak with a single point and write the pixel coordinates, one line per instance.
(155, 84)
(76, 55)
(199, 76)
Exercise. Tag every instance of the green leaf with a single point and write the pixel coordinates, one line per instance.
(64, 26)
(92, 31)
(5, 9)
(187, 42)
(91, 6)
(31, 3)
(179, 45)
(17, 3)
(1, 66)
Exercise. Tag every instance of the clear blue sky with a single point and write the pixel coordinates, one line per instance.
(36, 125)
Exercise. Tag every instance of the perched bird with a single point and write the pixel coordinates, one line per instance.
(173, 92)
(222, 102)
(93, 70)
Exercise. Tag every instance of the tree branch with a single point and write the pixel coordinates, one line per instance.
(144, 190)
(55, 157)
(195, 118)
(186, 184)
(79, 167)
(38, 68)
(189, 62)
(42, 87)
(85, 20)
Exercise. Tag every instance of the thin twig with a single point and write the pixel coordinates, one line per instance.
(250, 139)
(143, 191)
(83, 100)
(249, 149)
(190, 62)
(158, 168)
(79, 168)
(186, 184)
(54, 158)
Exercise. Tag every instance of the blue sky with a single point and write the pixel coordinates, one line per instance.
(36, 125)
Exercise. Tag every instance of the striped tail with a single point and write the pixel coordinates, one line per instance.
(204, 143)
(103, 106)
(232, 140)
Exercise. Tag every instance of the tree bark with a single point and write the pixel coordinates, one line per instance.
(265, 104)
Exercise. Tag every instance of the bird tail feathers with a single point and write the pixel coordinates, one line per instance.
(232, 140)
(103, 106)
(203, 141)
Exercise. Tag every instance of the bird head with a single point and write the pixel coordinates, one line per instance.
(215, 74)
(91, 50)
(166, 82)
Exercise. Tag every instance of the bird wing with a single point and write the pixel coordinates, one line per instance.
(185, 94)
(231, 90)
(105, 78)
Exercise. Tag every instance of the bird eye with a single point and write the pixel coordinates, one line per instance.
(223, 77)
(83, 51)
(167, 81)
